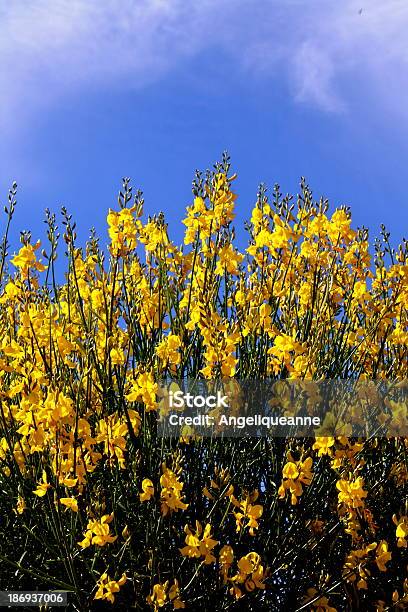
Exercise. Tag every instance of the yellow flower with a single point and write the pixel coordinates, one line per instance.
(144, 389)
(401, 531)
(355, 565)
(69, 482)
(351, 492)
(26, 259)
(323, 445)
(290, 470)
(107, 587)
(285, 351)
(168, 349)
(98, 532)
(158, 597)
(199, 543)
(247, 511)
(281, 234)
(11, 291)
(174, 596)
(226, 557)
(111, 430)
(153, 235)
(229, 260)
(162, 594)
(21, 505)
(42, 487)
(360, 290)
(122, 231)
(117, 356)
(295, 474)
(251, 574)
(382, 556)
(69, 502)
(148, 490)
(339, 226)
(171, 495)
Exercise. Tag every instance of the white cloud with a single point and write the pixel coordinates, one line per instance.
(313, 77)
(53, 48)
(49, 48)
(350, 46)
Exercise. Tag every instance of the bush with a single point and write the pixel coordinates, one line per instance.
(93, 502)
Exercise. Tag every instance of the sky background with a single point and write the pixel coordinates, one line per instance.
(92, 91)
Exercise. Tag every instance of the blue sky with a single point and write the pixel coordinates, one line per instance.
(92, 91)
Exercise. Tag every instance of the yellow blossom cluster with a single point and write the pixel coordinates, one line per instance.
(98, 532)
(108, 587)
(250, 574)
(165, 593)
(357, 562)
(295, 474)
(199, 543)
(248, 513)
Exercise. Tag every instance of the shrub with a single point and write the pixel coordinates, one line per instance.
(93, 502)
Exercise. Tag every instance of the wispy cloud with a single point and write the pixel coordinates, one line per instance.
(49, 48)
(53, 48)
(328, 50)
(352, 46)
